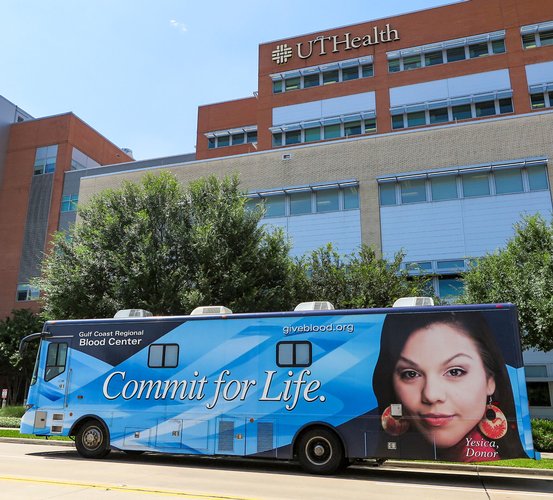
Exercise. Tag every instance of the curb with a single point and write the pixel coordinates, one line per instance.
(47, 442)
(469, 468)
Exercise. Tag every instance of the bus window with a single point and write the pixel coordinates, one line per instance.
(294, 354)
(163, 356)
(55, 360)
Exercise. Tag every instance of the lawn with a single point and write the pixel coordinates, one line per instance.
(14, 433)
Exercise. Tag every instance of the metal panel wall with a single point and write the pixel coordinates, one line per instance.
(309, 232)
(457, 228)
(36, 226)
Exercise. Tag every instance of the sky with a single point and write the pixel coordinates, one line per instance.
(137, 70)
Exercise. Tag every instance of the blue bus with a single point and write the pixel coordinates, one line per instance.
(324, 387)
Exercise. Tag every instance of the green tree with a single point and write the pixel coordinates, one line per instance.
(521, 273)
(166, 248)
(15, 369)
(359, 280)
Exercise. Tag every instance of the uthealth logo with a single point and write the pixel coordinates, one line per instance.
(322, 45)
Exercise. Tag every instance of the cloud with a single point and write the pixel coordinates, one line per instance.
(178, 25)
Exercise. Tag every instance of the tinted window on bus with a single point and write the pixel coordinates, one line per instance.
(55, 360)
(294, 354)
(163, 356)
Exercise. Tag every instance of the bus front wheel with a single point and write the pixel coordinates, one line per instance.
(92, 440)
(320, 451)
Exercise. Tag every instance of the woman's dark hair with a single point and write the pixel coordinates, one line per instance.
(397, 329)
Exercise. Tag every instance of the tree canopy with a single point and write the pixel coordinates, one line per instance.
(159, 246)
(359, 280)
(521, 273)
(14, 368)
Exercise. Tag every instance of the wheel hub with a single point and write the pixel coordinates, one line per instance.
(319, 450)
(92, 438)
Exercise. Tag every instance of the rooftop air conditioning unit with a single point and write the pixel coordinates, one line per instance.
(318, 305)
(413, 302)
(210, 310)
(132, 313)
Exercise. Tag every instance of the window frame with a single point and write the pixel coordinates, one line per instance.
(164, 354)
(294, 343)
(57, 345)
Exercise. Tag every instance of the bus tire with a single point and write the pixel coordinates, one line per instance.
(320, 451)
(92, 440)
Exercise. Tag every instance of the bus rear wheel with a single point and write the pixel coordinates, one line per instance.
(92, 440)
(320, 451)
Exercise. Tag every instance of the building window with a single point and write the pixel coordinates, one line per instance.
(304, 200)
(45, 160)
(443, 187)
(538, 393)
(388, 194)
(446, 52)
(437, 112)
(508, 181)
(537, 178)
(351, 198)
(315, 76)
(450, 289)
(275, 206)
(163, 356)
(290, 354)
(300, 203)
(536, 371)
(69, 202)
(324, 129)
(80, 161)
(537, 35)
(413, 191)
(234, 137)
(327, 200)
(465, 183)
(543, 99)
(476, 184)
(27, 292)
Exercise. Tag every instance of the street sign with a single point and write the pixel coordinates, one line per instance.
(4, 393)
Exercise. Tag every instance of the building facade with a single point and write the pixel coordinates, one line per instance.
(36, 155)
(429, 133)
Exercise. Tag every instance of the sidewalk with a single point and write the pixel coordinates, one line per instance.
(403, 464)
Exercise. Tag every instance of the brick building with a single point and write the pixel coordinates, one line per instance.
(429, 132)
(35, 155)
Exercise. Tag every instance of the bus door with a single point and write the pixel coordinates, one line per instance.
(54, 379)
(230, 436)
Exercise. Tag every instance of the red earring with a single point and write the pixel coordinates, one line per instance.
(494, 423)
(395, 426)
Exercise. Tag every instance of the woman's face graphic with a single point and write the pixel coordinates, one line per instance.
(441, 381)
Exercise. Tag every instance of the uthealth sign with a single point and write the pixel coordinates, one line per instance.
(322, 45)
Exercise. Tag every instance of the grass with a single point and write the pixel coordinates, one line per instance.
(14, 433)
(524, 463)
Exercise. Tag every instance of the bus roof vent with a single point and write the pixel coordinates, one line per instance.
(132, 313)
(210, 310)
(318, 305)
(413, 302)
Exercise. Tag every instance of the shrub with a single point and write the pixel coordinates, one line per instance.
(542, 432)
(12, 422)
(12, 411)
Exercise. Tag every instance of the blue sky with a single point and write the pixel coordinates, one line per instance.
(137, 70)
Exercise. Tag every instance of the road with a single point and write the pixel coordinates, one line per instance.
(30, 471)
